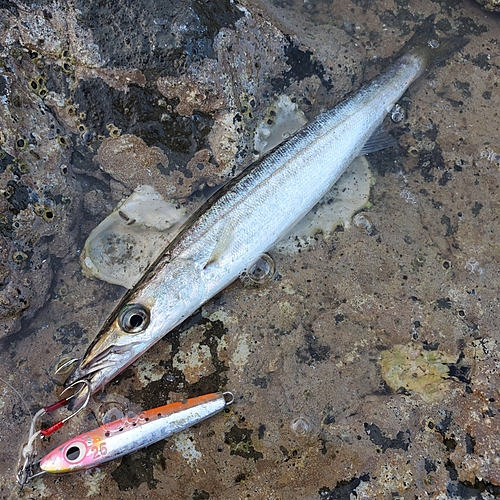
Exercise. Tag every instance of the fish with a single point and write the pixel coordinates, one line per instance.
(251, 213)
(131, 433)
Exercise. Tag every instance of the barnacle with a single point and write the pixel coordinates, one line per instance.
(67, 66)
(301, 426)
(491, 5)
(398, 113)
(247, 102)
(114, 131)
(22, 166)
(21, 143)
(491, 155)
(33, 55)
(19, 256)
(39, 210)
(9, 191)
(446, 264)
(62, 141)
(34, 85)
(16, 53)
(48, 214)
(261, 270)
(362, 222)
(108, 412)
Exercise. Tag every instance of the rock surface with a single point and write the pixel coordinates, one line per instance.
(369, 366)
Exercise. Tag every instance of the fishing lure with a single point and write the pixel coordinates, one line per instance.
(131, 433)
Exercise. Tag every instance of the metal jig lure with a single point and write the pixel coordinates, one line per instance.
(131, 433)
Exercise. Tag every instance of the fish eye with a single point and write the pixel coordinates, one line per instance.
(75, 452)
(133, 318)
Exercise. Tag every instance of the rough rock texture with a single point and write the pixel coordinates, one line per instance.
(369, 367)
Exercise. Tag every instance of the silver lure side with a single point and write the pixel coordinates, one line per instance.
(244, 219)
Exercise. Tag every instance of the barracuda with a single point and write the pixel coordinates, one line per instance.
(249, 215)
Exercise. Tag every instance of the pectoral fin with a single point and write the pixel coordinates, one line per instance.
(223, 244)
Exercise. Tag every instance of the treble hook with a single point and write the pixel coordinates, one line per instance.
(25, 475)
(64, 402)
(64, 365)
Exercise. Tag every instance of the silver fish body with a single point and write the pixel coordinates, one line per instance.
(243, 220)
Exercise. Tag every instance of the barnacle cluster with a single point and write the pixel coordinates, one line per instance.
(491, 5)
(34, 158)
(39, 86)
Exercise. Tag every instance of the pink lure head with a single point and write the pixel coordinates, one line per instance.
(82, 452)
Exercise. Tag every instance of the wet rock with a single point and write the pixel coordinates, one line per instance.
(131, 162)
(309, 346)
(491, 5)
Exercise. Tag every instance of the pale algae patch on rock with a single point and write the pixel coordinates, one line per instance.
(240, 354)
(151, 372)
(194, 363)
(349, 195)
(417, 370)
(283, 118)
(122, 246)
(185, 445)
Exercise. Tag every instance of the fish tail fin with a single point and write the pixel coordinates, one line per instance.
(428, 47)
